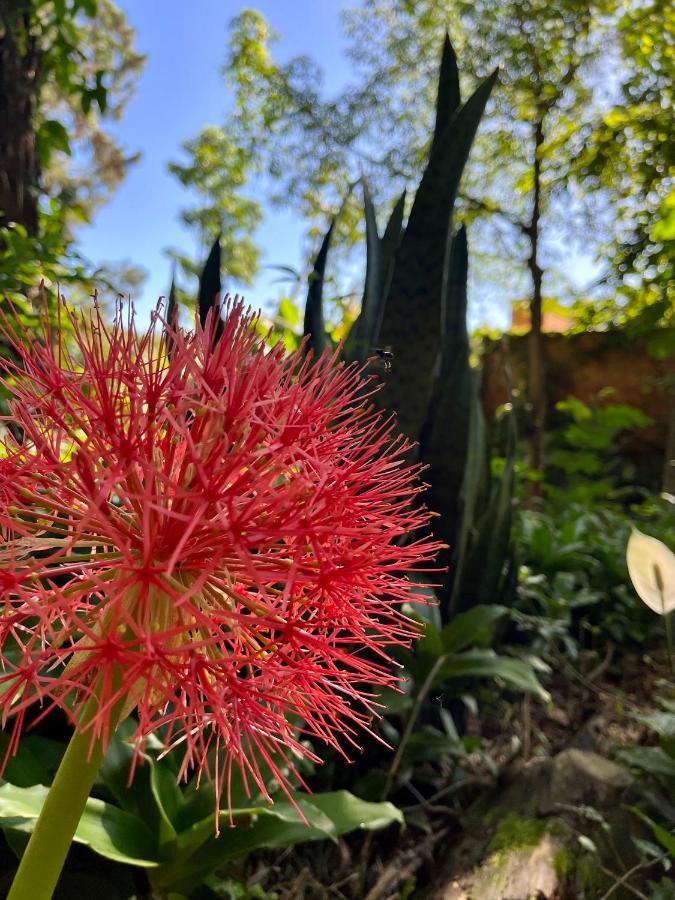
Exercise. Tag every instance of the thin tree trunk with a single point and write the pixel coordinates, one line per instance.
(19, 78)
(669, 461)
(536, 356)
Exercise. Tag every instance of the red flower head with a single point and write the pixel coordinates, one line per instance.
(211, 535)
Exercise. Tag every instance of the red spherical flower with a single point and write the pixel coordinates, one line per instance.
(211, 535)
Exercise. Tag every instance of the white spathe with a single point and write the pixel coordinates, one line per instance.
(651, 566)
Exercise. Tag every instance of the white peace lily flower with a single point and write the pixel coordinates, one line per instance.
(651, 566)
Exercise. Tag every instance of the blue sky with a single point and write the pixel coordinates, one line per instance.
(179, 92)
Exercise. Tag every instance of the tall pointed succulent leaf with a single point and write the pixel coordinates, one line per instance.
(449, 97)
(452, 423)
(379, 263)
(172, 311)
(488, 555)
(413, 315)
(357, 345)
(472, 499)
(373, 285)
(172, 305)
(314, 326)
(210, 285)
(389, 244)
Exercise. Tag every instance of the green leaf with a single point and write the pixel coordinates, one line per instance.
(472, 496)
(421, 267)
(108, 830)
(135, 794)
(199, 851)
(653, 760)
(314, 325)
(358, 345)
(317, 817)
(662, 835)
(27, 767)
(487, 664)
(52, 135)
(451, 419)
(349, 813)
(448, 98)
(169, 800)
(210, 286)
(474, 627)
(490, 551)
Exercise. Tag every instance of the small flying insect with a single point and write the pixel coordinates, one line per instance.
(386, 355)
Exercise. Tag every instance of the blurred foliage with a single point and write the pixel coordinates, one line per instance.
(90, 71)
(655, 768)
(216, 169)
(81, 72)
(584, 460)
(573, 586)
(630, 153)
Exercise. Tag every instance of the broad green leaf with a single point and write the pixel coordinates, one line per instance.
(108, 830)
(473, 628)
(348, 813)
(198, 850)
(317, 817)
(28, 767)
(168, 798)
(133, 794)
(486, 663)
(653, 760)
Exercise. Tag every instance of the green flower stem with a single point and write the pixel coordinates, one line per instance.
(46, 852)
(667, 621)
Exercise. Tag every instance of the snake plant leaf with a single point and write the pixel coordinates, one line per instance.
(359, 342)
(454, 410)
(172, 306)
(412, 322)
(172, 312)
(472, 500)
(487, 553)
(373, 286)
(210, 286)
(379, 264)
(314, 326)
(389, 245)
(449, 97)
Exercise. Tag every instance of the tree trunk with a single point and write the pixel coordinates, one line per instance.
(536, 358)
(19, 78)
(669, 461)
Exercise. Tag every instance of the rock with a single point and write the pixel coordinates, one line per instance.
(575, 777)
(518, 836)
(523, 873)
(583, 778)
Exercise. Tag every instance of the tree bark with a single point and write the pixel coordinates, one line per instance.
(669, 461)
(19, 82)
(536, 356)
